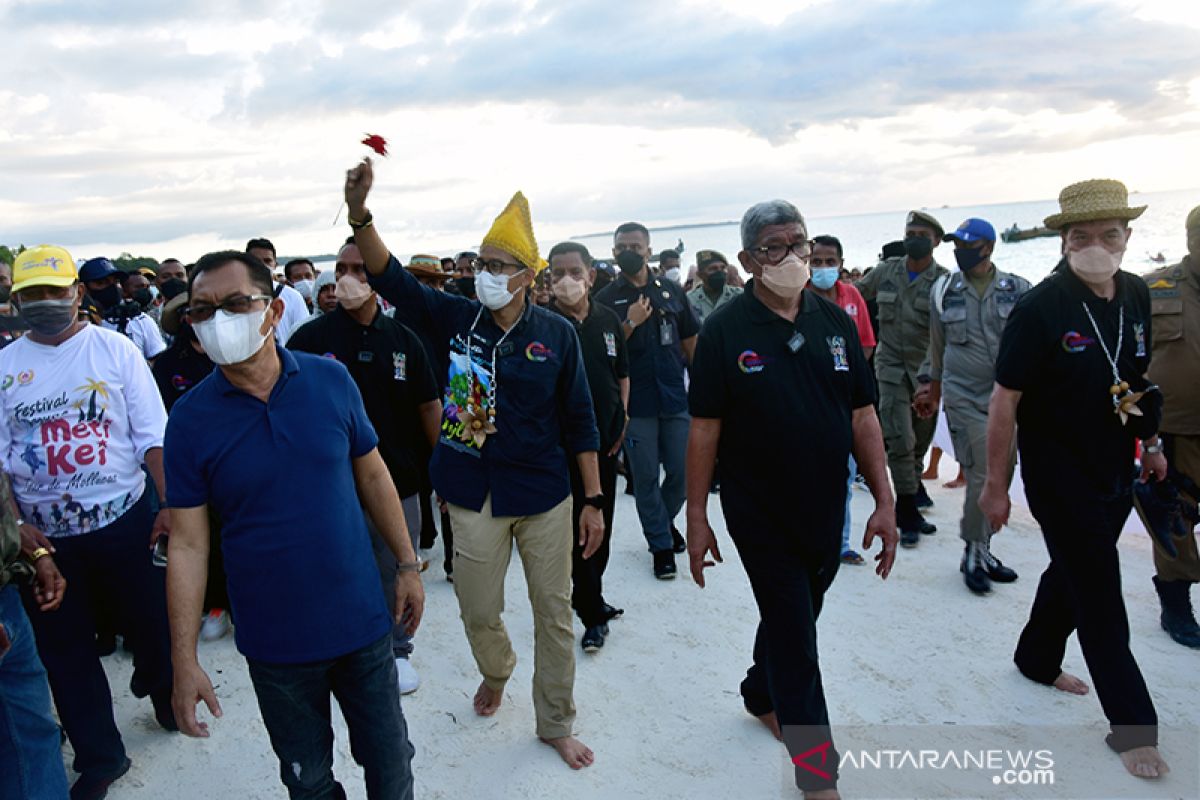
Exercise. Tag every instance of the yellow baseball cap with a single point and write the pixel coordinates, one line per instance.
(44, 265)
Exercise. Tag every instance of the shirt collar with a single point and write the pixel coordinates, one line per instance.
(344, 315)
(289, 367)
(762, 315)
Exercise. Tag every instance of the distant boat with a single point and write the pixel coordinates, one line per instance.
(1015, 234)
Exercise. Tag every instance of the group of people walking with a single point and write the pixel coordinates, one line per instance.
(518, 417)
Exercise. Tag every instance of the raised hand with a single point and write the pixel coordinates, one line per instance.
(358, 186)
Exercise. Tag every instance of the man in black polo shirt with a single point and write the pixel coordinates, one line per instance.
(1069, 376)
(661, 329)
(606, 361)
(782, 394)
(402, 399)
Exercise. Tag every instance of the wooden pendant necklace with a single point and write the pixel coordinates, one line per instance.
(1124, 401)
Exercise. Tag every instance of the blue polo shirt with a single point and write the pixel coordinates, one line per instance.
(656, 359)
(302, 578)
(543, 405)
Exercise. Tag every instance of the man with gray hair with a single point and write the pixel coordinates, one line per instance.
(781, 364)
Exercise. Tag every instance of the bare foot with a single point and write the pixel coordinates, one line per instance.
(487, 700)
(930, 474)
(772, 722)
(957, 483)
(823, 794)
(1145, 762)
(577, 754)
(1065, 682)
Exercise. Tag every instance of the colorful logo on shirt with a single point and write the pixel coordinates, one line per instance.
(1076, 342)
(399, 366)
(837, 349)
(1139, 336)
(180, 383)
(329, 355)
(610, 344)
(8, 382)
(851, 309)
(25, 377)
(536, 351)
(750, 362)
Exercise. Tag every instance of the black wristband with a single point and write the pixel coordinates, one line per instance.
(595, 501)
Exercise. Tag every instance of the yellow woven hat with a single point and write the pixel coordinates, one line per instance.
(1088, 201)
(44, 265)
(512, 232)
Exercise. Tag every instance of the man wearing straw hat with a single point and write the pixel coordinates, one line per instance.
(517, 406)
(1070, 378)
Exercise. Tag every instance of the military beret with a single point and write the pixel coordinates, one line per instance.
(927, 220)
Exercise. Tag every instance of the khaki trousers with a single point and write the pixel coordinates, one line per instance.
(482, 549)
(968, 432)
(1183, 453)
(906, 436)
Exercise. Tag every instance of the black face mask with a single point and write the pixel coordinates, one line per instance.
(143, 298)
(918, 247)
(107, 297)
(716, 280)
(630, 262)
(5, 293)
(466, 285)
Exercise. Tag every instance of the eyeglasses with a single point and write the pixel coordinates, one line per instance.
(238, 304)
(495, 266)
(774, 253)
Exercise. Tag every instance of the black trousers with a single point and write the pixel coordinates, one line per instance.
(587, 574)
(1081, 591)
(789, 588)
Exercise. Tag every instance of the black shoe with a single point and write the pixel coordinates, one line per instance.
(428, 537)
(909, 520)
(664, 565)
(909, 538)
(611, 613)
(923, 498)
(996, 569)
(593, 638)
(926, 527)
(678, 543)
(1178, 619)
(90, 786)
(974, 572)
(629, 487)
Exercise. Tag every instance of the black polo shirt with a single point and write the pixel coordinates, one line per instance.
(606, 362)
(1070, 439)
(785, 393)
(393, 374)
(178, 369)
(656, 360)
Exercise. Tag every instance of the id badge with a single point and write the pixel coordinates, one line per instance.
(666, 333)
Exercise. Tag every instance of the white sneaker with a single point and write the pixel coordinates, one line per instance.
(215, 625)
(409, 679)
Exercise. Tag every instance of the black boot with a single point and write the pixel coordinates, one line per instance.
(908, 520)
(923, 498)
(974, 570)
(995, 567)
(1177, 616)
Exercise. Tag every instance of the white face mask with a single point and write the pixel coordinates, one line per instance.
(786, 278)
(569, 291)
(304, 287)
(492, 290)
(672, 274)
(232, 338)
(1094, 265)
(352, 293)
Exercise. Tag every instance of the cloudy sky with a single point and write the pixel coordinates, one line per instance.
(169, 129)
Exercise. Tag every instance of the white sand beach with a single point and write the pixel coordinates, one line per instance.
(659, 704)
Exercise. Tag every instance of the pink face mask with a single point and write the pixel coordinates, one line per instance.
(786, 278)
(352, 293)
(1094, 265)
(569, 291)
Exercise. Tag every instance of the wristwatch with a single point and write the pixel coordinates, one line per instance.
(1152, 448)
(595, 501)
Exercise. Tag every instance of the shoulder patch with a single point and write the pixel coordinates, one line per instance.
(1163, 283)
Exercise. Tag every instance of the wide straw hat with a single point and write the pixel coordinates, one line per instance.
(1088, 201)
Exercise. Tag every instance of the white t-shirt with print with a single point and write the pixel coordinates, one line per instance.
(144, 333)
(295, 313)
(76, 421)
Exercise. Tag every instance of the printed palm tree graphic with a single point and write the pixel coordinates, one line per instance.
(96, 388)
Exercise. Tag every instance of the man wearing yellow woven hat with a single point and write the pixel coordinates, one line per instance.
(516, 407)
(1070, 378)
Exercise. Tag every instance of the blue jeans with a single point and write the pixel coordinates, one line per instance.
(110, 565)
(649, 442)
(849, 493)
(294, 701)
(30, 748)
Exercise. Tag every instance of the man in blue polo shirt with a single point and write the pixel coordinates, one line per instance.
(303, 585)
(516, 404)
